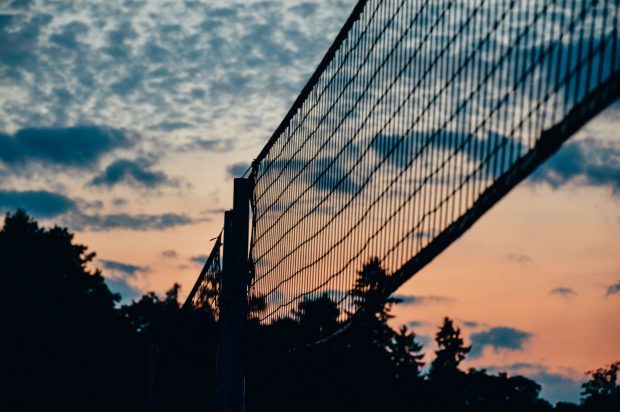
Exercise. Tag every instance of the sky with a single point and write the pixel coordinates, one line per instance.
(153, 107)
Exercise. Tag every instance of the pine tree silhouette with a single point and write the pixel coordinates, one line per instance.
(451, 350)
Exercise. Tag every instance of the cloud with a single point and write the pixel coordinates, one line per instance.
(200, 259)
(44, 204)
(123, 288)
(472, 324)
(79, 147)
(70, 34)
(563, 291)
(519, 258)
(208, 145)
(386, 145)
(422, 300)
(20, 36)
(125, 221)
(170, 254)
(416, 323)
(498, 338)
(119, 201)
(214, 211)
(237, 169)
(613, 289)
(124, 269)
(324, 174)
(588, 162)
(135, 173)
(119, 275)
(157, 74)
(170, 126)
(39, 203)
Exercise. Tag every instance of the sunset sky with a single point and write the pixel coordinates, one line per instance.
(153, 107)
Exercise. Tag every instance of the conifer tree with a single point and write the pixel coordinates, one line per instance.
(405, 355)
(451, 350)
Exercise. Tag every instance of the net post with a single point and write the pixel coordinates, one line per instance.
(233, 302)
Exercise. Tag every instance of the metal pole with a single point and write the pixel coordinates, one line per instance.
(233, 301)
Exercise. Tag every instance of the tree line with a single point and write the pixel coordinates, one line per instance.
(69, 346)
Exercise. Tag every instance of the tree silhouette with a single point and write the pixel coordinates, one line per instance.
(62, 325)
(151, 316)
(406, 355)
(484, 392)
(185, 342)
(375, 308)
(69, 347)
(451, 350)
(368, 291)
(602, 392)
(317, 318)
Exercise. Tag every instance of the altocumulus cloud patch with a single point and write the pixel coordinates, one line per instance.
(168, 63)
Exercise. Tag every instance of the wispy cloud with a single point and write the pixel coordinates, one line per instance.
(423, 300)
(169, 254)
(123, 268)
(613, 289)
(563, 291)
(126, 221)
(416, 323)
(472, 324)
(76, 213)
(208, 145)
(519, 258)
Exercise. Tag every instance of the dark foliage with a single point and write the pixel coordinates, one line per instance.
(68, 346)
(451, 351)
(602, 392)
